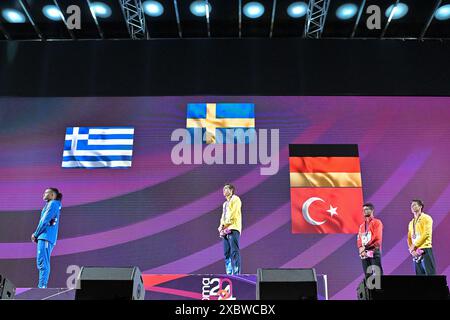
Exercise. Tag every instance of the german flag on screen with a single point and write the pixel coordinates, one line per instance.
(326, 188)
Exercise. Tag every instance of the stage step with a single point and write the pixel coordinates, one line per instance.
(178, 287)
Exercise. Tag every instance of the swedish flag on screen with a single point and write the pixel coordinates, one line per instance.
(215, 118)
(98, 147)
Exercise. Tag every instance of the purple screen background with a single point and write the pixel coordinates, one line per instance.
(163, 217)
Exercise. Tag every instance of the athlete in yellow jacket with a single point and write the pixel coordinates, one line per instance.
(230, 229)
(420, 231)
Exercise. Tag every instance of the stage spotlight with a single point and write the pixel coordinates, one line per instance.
(399, 11)
(101, 10)
(52, 12)
(198, 8)
(253, 10)
(13, 16)
(346, 11)
(297, 9)
(153, 8)
(443, 13)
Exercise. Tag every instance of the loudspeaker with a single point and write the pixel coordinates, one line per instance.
(7, 289)
(286, 284)
(406, 288)
(104, 283)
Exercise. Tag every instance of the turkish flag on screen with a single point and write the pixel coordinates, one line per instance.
(326, 210)
(326, 188)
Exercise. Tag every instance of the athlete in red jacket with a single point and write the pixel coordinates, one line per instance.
(369, 240)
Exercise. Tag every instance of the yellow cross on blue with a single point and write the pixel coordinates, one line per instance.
(220, 116)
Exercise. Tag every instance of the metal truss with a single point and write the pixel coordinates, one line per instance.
(134, 18)
(315, 18)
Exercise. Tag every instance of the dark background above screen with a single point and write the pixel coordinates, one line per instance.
(225, 67)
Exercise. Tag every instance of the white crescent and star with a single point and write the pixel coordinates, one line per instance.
(307, 216)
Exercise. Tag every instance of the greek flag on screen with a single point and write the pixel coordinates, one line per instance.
(98, 147)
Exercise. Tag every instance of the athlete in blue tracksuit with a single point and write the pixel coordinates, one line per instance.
(46, 233)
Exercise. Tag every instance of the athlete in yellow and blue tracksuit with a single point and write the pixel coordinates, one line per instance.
(230, 228)
(420, 231)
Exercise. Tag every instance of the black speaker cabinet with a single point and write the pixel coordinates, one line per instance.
(7, 289)
(104, 283)
(406, 288)
(286, 284)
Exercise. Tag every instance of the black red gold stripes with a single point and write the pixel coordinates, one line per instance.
(324, 165)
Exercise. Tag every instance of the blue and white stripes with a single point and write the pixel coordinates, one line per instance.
(98, 147)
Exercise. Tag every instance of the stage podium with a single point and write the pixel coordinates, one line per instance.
(180, 287)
